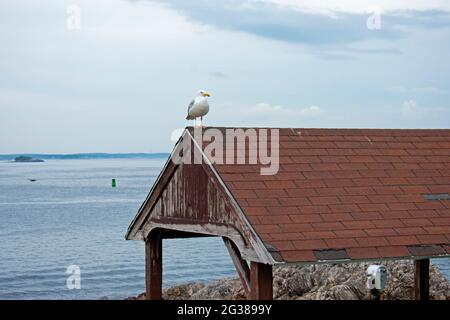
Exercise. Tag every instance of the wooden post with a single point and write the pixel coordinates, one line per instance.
(153, 267)
(422, 279)
(261, 281)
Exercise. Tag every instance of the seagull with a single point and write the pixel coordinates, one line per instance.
(198, 107)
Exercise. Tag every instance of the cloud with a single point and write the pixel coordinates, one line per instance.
(424, 89)
(267, 109)
(311, 23)
(360, 6)
(429, 19)
(430, 90)
(411, 108)
(280, 22)
(218, 74)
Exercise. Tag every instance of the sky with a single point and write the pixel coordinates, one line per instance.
(117, 75)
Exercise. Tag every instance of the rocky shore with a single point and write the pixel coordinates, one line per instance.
(318, 282)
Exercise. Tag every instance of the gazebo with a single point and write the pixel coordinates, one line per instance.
(339, 195)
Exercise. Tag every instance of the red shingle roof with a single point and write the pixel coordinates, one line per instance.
(350, 194)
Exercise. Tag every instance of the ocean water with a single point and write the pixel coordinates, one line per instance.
(72, 216)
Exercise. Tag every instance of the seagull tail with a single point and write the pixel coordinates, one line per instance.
(189, 117)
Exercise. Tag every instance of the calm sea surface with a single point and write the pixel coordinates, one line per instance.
(72, 216)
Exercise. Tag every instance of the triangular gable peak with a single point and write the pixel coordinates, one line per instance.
(192, 200)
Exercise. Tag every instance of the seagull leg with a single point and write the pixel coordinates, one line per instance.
(201, 121)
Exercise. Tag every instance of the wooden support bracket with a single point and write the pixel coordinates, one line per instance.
(240, 264)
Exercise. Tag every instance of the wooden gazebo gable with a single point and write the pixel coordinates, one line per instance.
(192, 200)
(340, 195)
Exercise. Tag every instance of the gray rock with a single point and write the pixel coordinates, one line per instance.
(320, 282)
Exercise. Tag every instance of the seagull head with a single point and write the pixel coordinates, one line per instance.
(203, 93)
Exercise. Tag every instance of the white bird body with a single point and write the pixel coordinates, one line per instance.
(198, 107)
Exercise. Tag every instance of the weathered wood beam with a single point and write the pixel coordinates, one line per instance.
(261, 281)
(143, 214)
(240, 264)
(422, 279)
(153, 267)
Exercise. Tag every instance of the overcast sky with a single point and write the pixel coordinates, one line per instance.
(122, 82)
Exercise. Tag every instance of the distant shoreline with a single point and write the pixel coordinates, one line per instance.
(159, 155)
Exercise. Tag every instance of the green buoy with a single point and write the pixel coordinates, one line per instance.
(113, 183)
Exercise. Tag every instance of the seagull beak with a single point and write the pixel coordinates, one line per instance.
(206, 94)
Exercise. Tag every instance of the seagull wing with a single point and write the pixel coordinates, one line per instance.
(188, 117)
